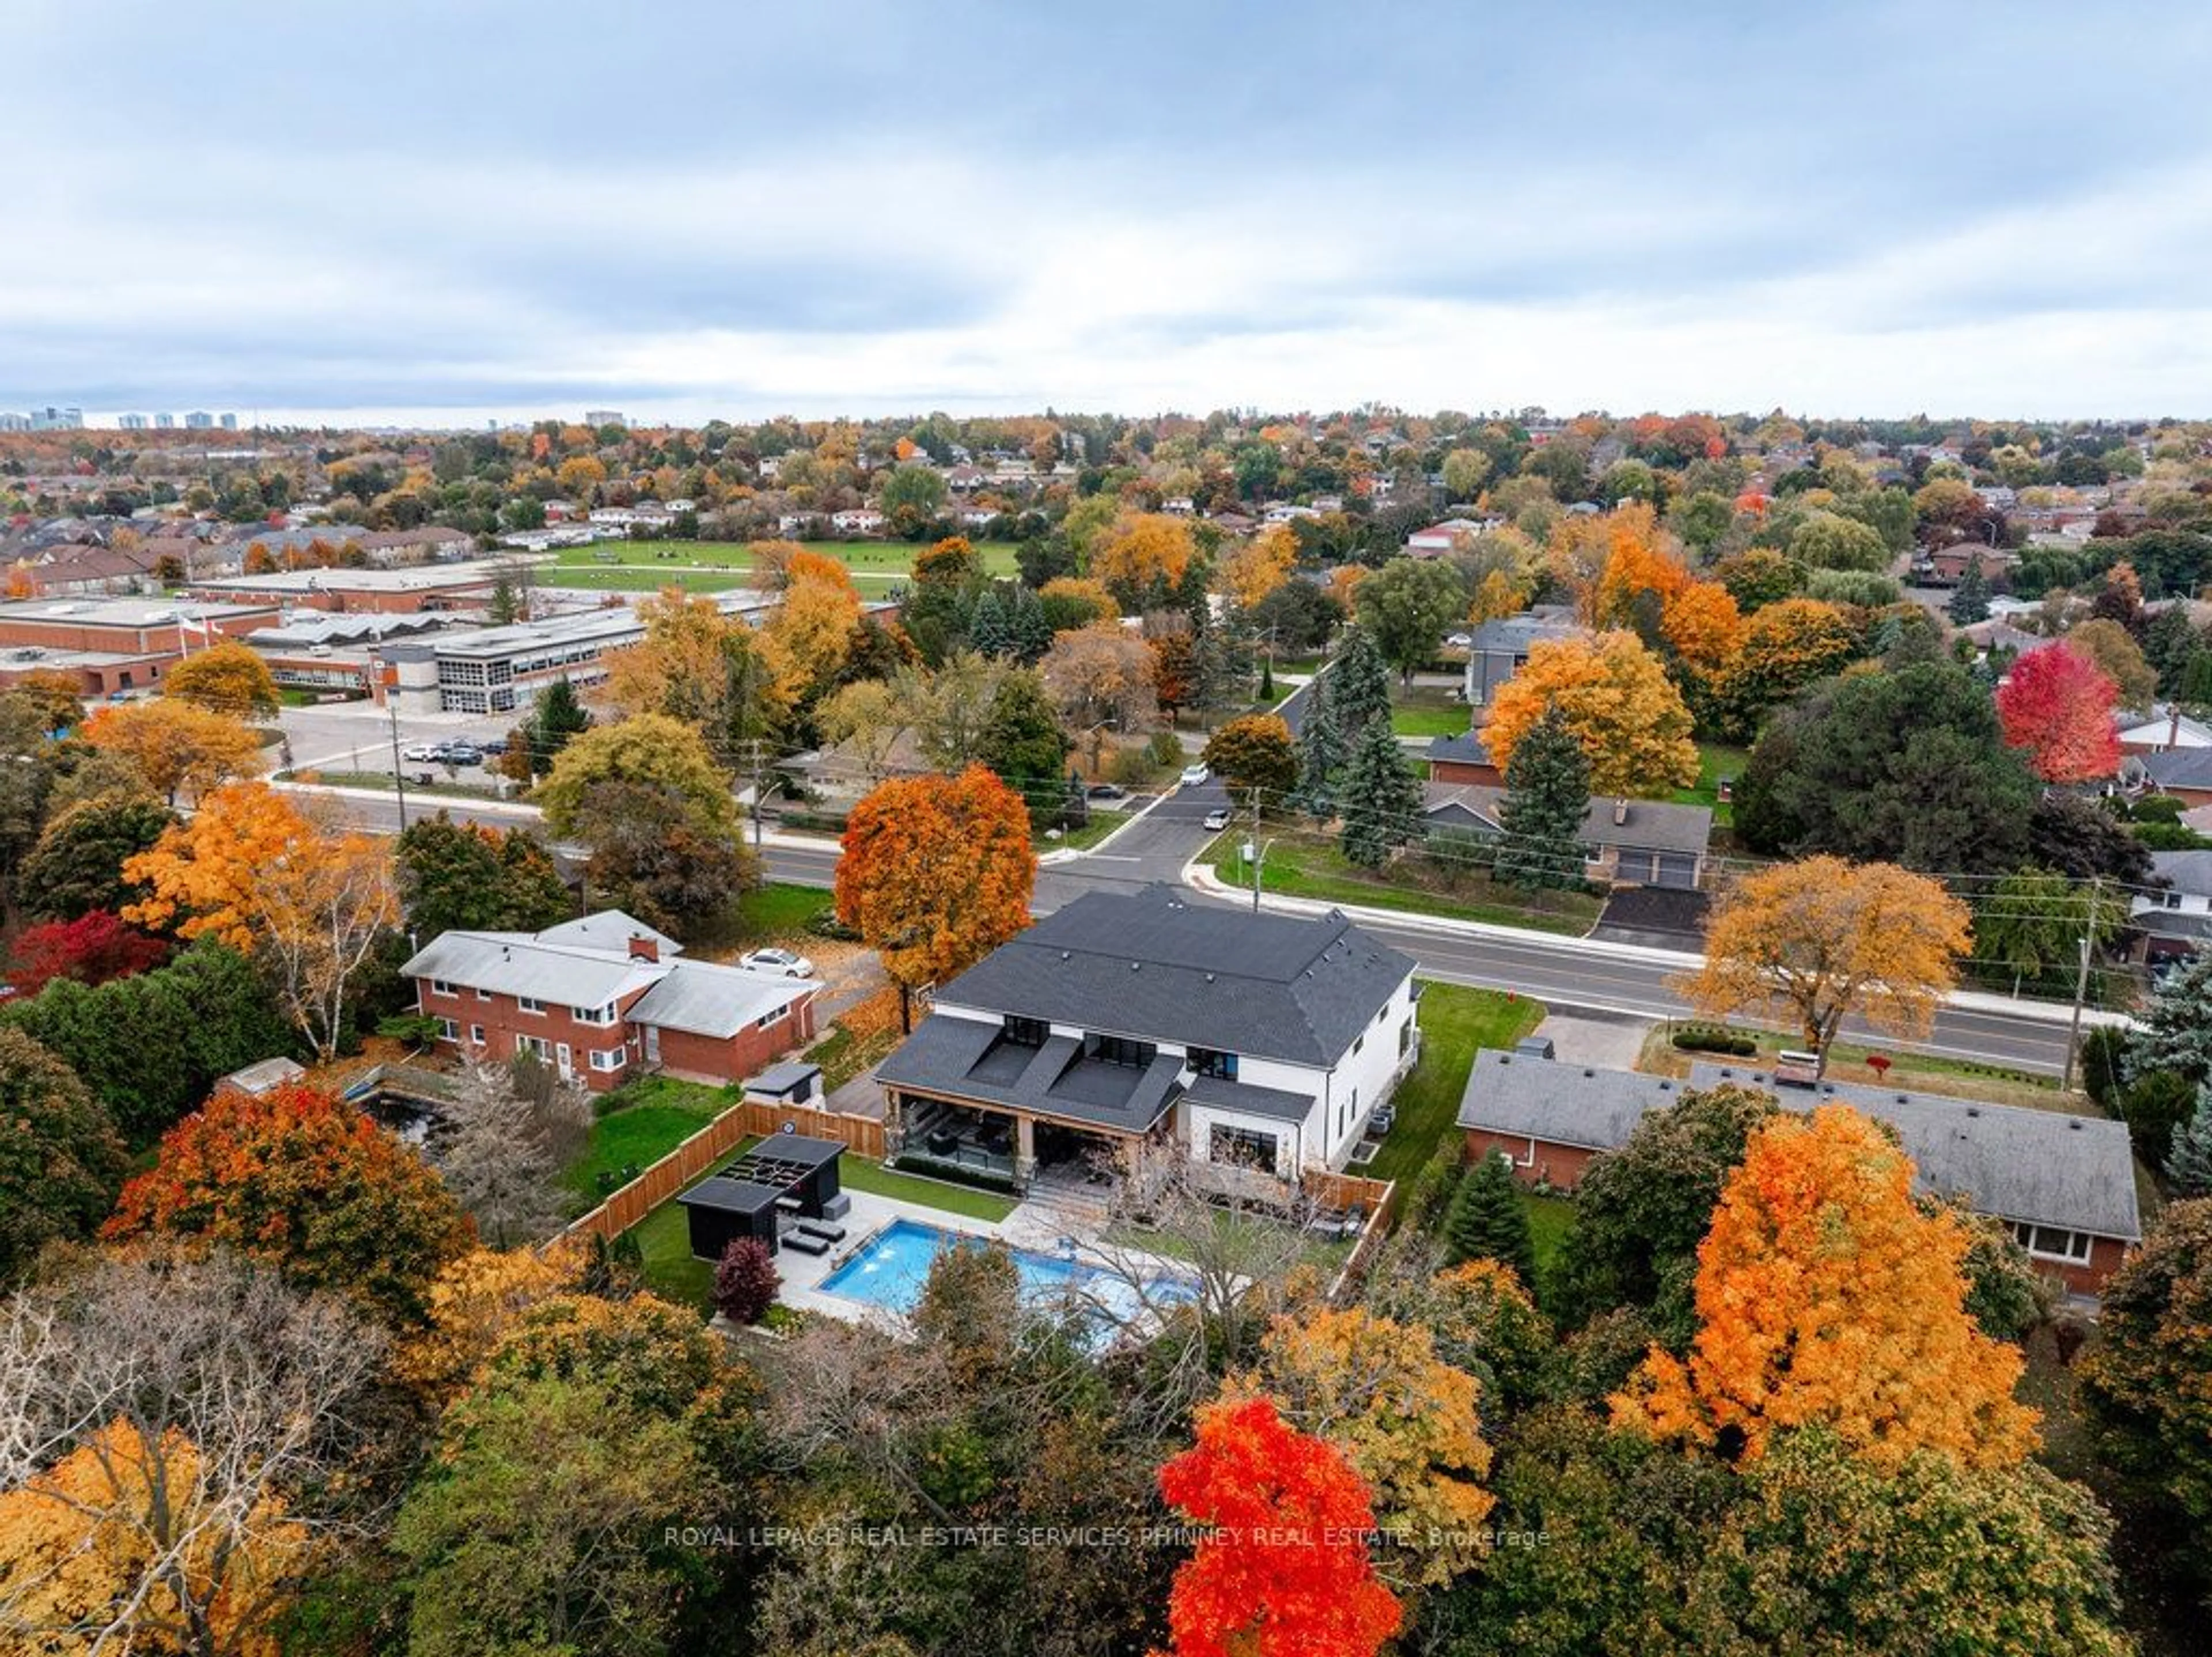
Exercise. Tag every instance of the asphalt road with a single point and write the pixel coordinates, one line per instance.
(1562, 972)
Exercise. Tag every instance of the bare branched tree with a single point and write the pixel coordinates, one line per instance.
(167, 1427)
(505, 1136)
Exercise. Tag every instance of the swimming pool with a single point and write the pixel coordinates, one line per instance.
(890, 1269)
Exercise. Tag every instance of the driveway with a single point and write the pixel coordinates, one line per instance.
(1655, 917)
(1611, 1041)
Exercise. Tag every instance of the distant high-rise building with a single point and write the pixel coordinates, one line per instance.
(604, 417)
(14, 423)
(165, 422)
(199, 420)
(51, 418)
(230, 423)
(131, 422)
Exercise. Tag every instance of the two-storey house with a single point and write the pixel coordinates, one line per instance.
(1262, 1043)
(605, 998)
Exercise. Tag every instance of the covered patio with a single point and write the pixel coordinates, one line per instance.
(785, 1191)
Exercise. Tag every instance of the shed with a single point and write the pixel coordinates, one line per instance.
(720, 1210)
(787, 1083)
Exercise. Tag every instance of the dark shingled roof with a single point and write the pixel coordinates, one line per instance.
(1250, 1099)
(1153, 965)
(2178, 768)
(1467, 748)
(971, 1058)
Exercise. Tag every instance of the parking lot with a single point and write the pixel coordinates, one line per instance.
(356, 736)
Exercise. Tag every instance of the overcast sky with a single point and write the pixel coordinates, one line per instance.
(455, 208)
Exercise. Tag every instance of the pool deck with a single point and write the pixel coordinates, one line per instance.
(1033, 1226)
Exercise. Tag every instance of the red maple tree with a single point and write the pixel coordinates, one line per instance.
(2056, 707)
(91, 949)
(1284, 1571)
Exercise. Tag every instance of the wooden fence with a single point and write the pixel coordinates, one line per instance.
(1345, 1191)
(1379, 1219)
(863, 1136)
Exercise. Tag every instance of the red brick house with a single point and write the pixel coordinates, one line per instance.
(606, 998)
(2064, 1185)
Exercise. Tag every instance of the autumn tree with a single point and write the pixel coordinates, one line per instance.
(93, 948)
(1100, 675)
(697, 665)
(746, 1280)
(652, 857)
(805, 643)
(1828, 540)
(1406, 607)
(653, 751)
(867, 720)
(176, 744)
(936, 873)
(2116, 655)
(477, 1299)
(1819, 940)
(1071, 602)
(2056, 708)
(77, 864)
(1616, 699)
(167, 1426)
(308, 901)
(309, 1182)
(228, 678)
(1142, 553)
(1282, 1571)
(474, 878)
(61, 1161)
(1826, 1294)
(1786, 647)
(1252, 570)
(1255, 756)
(1407, 1421)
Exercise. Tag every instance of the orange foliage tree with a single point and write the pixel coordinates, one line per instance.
(125, 1537)
(1285, 1571)
(307, 1181)
(1617, 701)
(176, 744)
(807, 640)
(1822, 938)
(936, 873)
(2056, 707)
(306, 901)
(1141, 547)
(1256, 568)
(1826, 1294)
(227, 678)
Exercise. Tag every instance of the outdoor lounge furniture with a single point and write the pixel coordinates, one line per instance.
(821, 1232)
(804, 1243)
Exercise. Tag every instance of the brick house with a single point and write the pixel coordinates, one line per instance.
(606, 998)
(2064, 1185)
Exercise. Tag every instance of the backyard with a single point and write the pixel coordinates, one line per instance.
(638, 1124)
(1305, 864)
(1427, 710)
(1456, 1022)
(714, 566)
(1716, 761)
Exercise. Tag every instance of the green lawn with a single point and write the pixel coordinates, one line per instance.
(1101, 824)
(860, 1175)
(1714, 761)
(644, 580)
(1427, 710)
(1455, 1021)
(1550, 1219)
(1308, 866)
(664, 1238)
(777, 911)
(648, 1119)
(705, 566)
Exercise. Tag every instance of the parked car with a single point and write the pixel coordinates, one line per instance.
(425, 753)
(781, 962)
(1194, 775)
(493, 745)
(1218, 818)
(462, 754)
(1107, 791)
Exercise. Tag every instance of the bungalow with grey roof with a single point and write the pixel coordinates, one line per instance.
(1627, 842)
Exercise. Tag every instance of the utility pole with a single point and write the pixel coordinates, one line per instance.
(2082, 981)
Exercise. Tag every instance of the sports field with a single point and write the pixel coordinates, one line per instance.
(711, 566)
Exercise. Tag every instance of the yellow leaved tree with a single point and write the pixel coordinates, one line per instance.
(1616, 699)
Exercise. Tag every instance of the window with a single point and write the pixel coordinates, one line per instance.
(536, 1045)
(594, 1014)
(769, 1020)
(1358, 1042)
(1405, 1036)
(1208, 1062)
(530, 1004)
(475, 1035)
(1025, 1032)
(1119, 1049)
(611, 1059)
(1243, 1148)
(483, 994)
(449, 1031)
(439, 987)
(2054, 1242)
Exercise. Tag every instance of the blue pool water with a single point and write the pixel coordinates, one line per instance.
(890, 1269)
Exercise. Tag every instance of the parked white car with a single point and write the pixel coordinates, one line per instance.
(1218, 818)
(426, 753)
(781, 962)
(1194, 775)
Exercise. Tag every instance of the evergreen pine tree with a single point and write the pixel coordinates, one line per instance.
(1358, 686)
(988, 628)
(1321, 754)
(1970, 599)
(1487, 1221)
(1026, 626)
(2168, 643)
(557, 716)
(1547, 795)
(1381, 798)
(2177, 1030)
(1268, 680)
(2189, 1163)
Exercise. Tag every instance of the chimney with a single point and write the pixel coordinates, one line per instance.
(642, 948)
(1620, 813)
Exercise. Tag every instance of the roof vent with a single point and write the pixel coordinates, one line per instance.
(1063, 954)
(1505, 1058)
(2074, 1124)
(1666, 1087)
(1970, 1111)
(1589, 1073)
(1136, 966)
(1209, 977)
